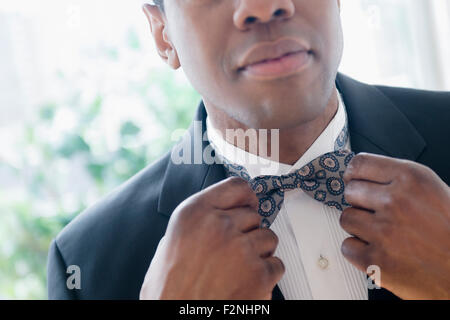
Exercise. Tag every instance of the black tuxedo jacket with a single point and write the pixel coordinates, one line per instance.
(114, 241)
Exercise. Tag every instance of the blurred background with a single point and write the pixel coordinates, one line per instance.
(85, 103)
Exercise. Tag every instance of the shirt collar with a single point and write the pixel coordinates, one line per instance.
(257, 166)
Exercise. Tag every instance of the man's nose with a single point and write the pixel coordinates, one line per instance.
(250, 12)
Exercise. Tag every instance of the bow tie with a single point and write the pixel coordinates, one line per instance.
(321, 179)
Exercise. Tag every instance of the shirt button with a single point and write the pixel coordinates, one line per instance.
(323, 262)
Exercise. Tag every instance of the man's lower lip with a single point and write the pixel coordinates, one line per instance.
(282, 67)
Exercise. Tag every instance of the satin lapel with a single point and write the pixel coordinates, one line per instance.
(183, 180)
(376, 125)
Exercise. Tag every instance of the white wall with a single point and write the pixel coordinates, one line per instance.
(398, 42)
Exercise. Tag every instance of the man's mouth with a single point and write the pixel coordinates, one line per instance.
(287, 64)
(269, 60)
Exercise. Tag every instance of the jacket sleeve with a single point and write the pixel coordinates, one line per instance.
(57, 276)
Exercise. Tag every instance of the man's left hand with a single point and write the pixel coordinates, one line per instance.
(400, 220)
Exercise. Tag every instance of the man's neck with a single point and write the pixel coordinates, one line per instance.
(293, 142)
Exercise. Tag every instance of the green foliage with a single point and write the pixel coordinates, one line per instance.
(65, 161)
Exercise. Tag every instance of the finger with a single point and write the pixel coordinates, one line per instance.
(231, 193)
(366, 195)
(275, 268)
(371, 167)
(264, 240)
(358, 223)
(245, 218)
(356, 252)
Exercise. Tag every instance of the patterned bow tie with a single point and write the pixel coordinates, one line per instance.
(322, 179)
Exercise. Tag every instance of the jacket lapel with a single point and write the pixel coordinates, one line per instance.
(183, 180)
(375, 123)
(375, 126)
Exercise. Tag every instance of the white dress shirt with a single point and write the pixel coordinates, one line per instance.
(309, 233)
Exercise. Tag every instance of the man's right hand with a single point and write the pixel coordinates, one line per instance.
(213, 249)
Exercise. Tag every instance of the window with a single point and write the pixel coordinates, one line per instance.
(398, 42)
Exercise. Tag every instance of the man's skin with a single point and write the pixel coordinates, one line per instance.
(401, 210)
(235, 260)
(209, 39)
(401, 220)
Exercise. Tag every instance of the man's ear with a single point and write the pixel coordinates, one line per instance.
(159, 32)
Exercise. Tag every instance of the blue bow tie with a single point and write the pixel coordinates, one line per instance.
(322, 179)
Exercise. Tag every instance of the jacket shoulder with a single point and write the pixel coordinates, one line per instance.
(418, 104)
(120, 231)
(132, 200)
(429, 112)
